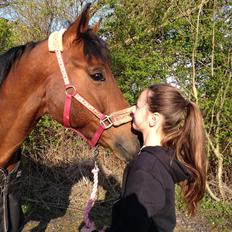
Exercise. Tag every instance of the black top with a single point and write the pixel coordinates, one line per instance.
(147, 202)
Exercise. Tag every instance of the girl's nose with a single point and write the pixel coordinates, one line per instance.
(133, 109)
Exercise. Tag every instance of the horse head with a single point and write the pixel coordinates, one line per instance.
(86, 61)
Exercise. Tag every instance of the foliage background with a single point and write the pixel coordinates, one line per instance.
(185, 43)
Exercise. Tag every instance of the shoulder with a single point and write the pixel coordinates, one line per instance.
(162, 165)
(154, 161)
(149, 158)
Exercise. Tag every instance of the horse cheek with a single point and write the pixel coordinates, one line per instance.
(55, 100)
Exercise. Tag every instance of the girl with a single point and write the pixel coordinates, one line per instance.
(173, 152)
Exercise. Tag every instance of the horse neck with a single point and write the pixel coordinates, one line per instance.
(22, 97)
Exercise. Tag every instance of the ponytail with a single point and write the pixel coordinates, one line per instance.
(184, 133)
(190, 151)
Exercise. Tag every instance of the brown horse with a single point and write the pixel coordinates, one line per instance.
(32, 86)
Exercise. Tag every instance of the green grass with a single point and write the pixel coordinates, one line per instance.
(217, 214)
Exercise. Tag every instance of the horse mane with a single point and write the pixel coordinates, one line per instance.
(94, 46)
(8, 58)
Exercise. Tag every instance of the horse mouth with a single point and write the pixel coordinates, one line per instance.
(123, 153)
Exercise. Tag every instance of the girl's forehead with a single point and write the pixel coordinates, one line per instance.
(142, 98)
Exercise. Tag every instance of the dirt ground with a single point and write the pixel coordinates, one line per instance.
(57, 181)
(70, 223)
(58, 205)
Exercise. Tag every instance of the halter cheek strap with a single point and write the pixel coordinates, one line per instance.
(106, 121)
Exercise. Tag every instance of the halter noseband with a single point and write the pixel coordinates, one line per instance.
(106, 121)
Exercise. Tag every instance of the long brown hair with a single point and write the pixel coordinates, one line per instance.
(184, 133)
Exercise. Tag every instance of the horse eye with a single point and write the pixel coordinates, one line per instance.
(98, 77)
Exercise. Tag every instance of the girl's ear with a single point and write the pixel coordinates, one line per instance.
(154, 119)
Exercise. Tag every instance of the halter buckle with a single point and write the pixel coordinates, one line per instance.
(106, 122)
(70, 90)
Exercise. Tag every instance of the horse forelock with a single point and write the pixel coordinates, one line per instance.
(94, 46)
(8, 58)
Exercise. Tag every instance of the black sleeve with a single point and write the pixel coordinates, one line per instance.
(144, 197)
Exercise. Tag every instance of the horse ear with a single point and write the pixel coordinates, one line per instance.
(83, 20)
(80, 25)
(96, 26)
